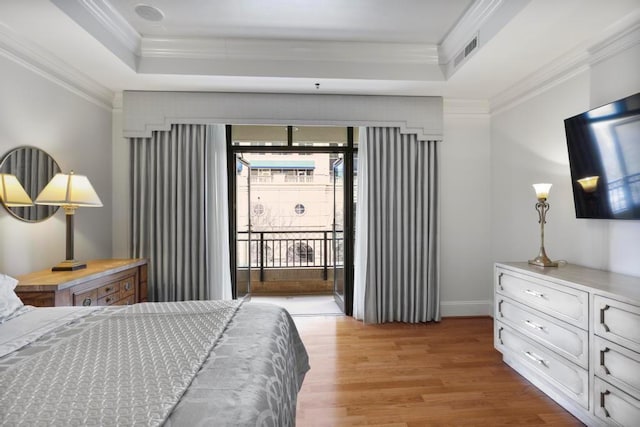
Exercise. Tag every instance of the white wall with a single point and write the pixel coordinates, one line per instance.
(465, 263)
(77, 133)
(528, 145)
(613, 79)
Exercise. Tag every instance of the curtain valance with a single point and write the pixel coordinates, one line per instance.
(144, 112)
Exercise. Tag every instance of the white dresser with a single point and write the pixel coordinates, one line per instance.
(574, 332)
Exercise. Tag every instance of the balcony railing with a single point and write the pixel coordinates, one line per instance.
(295, 249)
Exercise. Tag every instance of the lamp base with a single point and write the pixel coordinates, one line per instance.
(542, 260)
(69, 265)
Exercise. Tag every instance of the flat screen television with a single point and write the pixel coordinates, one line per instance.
(604, 158)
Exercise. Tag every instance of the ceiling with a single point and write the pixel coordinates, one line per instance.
(381, 47)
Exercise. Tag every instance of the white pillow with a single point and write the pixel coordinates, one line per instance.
(9, 301)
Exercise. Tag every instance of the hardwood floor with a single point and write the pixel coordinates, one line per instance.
(439, 374)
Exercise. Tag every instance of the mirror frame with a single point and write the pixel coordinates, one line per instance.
(37, 213)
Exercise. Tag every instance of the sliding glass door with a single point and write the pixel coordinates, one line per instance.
(243, 224)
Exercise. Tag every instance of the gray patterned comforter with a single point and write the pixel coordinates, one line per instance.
(231, 368)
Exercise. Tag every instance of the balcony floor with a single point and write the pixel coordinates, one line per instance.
(303, 305)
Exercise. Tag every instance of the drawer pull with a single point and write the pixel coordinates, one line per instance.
(535, 358)
(602, 395)
(534, 293)
(604, 325)
(602, 362)
(107, 289)
(127, 286)
(86, 301)
(108, 300)
(530, 324)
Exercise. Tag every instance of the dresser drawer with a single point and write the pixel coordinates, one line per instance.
(86, 298)
(131, 299)
(108, 289)
(617, 321)
(615, 407)
(566, 377)
(566, 340)
(127, 287)
(568, 304)
(109, 299)
(617, 365)
(562, 374)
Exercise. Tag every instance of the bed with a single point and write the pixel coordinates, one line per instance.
(213, 363)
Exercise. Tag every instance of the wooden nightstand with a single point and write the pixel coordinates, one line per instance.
(103, 282)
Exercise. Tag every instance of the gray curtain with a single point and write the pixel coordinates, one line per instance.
(169, 184)
(397, 274)
(34, 169)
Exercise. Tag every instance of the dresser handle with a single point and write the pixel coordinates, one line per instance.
(530, 324)
(602, 395)
(108, 300)
(500, 308)
(602, 352)
(534, 293)
(127, 286)
(86, 302)
(535, 359)
(107, 289)
(604, 325)
(500, 281)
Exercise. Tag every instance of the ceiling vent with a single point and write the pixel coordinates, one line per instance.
(468, 49)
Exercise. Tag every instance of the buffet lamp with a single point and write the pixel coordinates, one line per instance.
(542, 206)
(12, 193)
(69, 191)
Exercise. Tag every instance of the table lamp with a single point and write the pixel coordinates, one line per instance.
(69, 191)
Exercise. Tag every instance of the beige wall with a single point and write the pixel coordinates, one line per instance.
(77, 133)
(528, 145)
(465, 239)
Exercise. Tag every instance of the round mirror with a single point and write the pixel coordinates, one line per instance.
(34, 168)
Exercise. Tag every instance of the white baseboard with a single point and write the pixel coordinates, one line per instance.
(466, 308)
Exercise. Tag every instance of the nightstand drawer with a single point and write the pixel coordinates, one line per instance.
(109, 299)
(615, 407)
(127, 301)
(108, 289)
(568, 304)
(617, 321)
(567, 340)
(617, 365)
(86, 298)
(565, 376)
(127, 287)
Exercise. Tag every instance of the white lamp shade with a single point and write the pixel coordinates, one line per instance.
(542, 190)
(12, 193)
(69, 190)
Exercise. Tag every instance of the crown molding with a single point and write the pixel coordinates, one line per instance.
(117, 102)
(464, 30)
(556, 72)
(288, 50)
(482, 21)
(465, 108)
(620, 36)
(110, 19)
(34, 58)
(102, 21)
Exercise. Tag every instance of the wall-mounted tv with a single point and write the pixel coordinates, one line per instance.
(604, 158)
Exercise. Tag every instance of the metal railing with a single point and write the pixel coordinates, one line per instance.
(294, 249)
